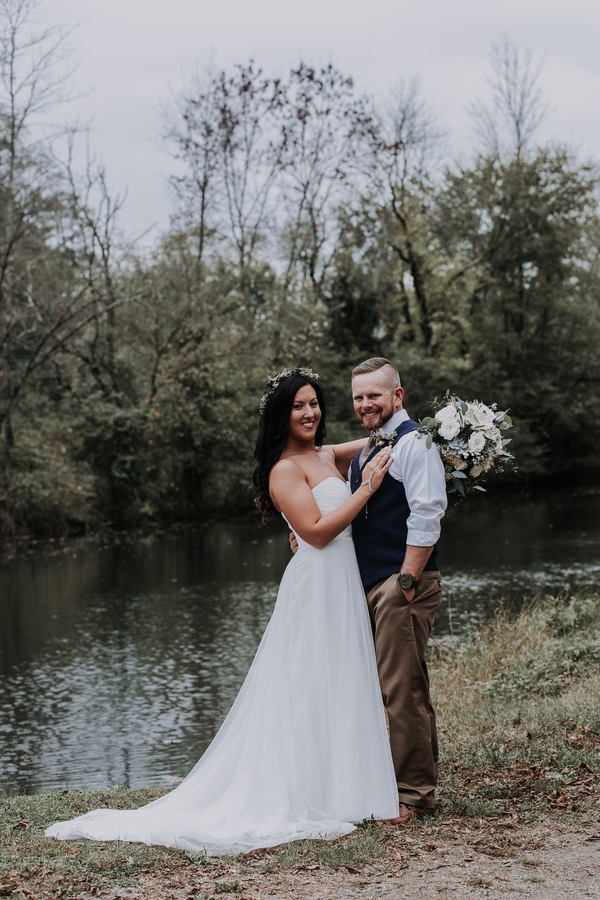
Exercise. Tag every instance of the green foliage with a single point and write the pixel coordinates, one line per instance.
(520, 228)
(111, 438)
(50, 493)
(139, 376)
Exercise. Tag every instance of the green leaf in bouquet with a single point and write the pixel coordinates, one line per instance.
(459, 486)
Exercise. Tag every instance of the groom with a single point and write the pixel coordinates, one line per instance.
(395, 538)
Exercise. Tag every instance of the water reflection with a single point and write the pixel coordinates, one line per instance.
(130, 676)
(120, 662)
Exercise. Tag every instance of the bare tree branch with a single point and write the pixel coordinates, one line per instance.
(507, 121)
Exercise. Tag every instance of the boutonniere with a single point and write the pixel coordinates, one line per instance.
(384, 438)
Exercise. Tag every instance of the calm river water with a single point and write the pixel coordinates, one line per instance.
(119, 662)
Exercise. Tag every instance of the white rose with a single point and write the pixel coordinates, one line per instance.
(479, 415)
(449, 429)
(447, 412)
(477, 442)
(493, 434)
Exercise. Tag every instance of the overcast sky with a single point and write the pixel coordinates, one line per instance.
(133, 54)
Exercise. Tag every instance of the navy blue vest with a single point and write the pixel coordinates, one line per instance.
(379, 530)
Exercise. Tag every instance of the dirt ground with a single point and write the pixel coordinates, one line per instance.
(553, 860)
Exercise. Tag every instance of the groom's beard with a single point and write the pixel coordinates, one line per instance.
(372, 423)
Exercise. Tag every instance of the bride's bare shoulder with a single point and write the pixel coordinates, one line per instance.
(285, 464)
(286, 478)
(286, 469)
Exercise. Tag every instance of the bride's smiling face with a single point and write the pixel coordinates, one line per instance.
(305, 415)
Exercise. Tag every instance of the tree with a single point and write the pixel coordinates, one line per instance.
(222, 130)
(266, 164)
(319, 145)
(507, 121)
(403, 137)
(192, 128)
(44, 303)
(531, 292)
(90, 241)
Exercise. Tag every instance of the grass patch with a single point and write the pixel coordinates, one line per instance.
(355, 851)
(27, 857)
(518, 711)
(520, 739)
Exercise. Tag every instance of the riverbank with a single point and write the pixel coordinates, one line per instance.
(518, 804)
(23, 542)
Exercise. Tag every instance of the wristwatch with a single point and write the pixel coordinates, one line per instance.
(406, 581)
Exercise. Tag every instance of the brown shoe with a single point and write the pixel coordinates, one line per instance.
(406, 812)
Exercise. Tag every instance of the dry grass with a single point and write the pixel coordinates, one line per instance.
(519, 712)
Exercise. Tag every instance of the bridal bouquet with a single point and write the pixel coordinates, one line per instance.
(469, 438)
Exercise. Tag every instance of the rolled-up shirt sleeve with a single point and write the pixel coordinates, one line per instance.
(421, 471)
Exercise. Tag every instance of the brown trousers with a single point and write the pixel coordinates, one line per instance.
(401, 630)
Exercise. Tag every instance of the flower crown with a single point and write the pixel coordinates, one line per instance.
(274, 382)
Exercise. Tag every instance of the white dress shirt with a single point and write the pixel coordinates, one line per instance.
(421, 471)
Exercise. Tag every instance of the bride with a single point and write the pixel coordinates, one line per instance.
(304, 751)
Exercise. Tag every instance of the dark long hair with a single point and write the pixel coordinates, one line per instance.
(272, 435)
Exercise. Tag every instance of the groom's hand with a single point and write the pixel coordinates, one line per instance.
(410, 595)
(293, 542)
(415, 560)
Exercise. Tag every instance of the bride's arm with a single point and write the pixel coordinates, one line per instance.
(345, 453)
(292, 496)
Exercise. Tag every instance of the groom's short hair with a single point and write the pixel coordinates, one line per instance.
(392, 378)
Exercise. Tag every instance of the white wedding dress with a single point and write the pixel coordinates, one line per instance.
(304, 751)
